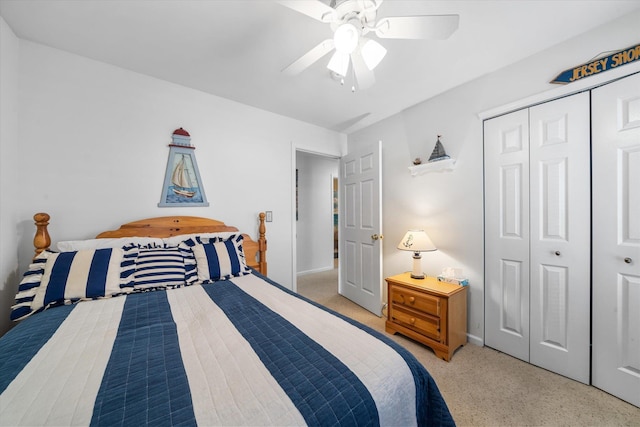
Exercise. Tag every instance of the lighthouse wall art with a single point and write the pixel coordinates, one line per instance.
(182, 183)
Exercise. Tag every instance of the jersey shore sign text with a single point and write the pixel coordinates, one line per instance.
(622, 57)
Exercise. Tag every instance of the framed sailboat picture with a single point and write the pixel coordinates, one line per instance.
(182, 183)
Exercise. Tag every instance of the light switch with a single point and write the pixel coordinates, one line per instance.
(269, 216)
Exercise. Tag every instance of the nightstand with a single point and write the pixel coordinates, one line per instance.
(431, 312)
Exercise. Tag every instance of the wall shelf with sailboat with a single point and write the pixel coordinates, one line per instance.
(182, 182)
(439, 161)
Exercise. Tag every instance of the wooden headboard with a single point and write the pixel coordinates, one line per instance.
(167, 226)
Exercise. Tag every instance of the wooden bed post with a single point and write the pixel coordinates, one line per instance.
(262, 245)
(41, 240)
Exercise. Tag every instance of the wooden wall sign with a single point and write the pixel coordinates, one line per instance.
(622, 57)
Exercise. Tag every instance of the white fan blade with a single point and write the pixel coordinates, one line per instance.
(364, 76)
(309, 58)
(312, 8)
(364, 5)
(438, 27)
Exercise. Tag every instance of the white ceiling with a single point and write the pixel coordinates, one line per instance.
(236, 48)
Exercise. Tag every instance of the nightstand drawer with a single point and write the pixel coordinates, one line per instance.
(424, 324)
(418, 301)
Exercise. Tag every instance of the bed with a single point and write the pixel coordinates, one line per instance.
(173, 321)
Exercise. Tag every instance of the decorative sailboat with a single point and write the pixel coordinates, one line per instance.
(438, 152)
(181, 180)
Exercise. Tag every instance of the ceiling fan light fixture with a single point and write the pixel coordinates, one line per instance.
(372, 53)
(351, 21)
(345, 38)
(339, 63)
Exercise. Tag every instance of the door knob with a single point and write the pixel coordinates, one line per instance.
(376, 237)
(628, 260)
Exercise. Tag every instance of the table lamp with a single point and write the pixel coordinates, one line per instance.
(417, 241)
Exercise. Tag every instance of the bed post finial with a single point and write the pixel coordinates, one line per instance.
(262, 245)
(41, 240)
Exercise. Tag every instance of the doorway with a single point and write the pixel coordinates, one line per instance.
(317, 220)
(336, 224)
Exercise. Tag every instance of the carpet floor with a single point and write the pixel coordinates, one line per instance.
(484, 387)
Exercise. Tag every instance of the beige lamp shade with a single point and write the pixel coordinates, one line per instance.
(417, 241)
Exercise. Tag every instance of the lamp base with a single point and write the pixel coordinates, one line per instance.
(417, 266)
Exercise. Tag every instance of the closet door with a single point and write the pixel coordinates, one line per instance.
(616, 238)
(506, 169)
(537, 235)
(560, 283)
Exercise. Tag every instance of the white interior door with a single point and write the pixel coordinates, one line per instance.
(616, 238)
(506, 171)
(361, 227)
(560, 288)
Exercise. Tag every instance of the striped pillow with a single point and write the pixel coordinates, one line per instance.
(220, 260)
(56, 278)
(191, 266)
(147, 268)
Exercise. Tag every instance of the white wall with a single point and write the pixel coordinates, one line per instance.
(93, 147)
(315, 212)
(88, 144)
(10, 172)
(449, 205)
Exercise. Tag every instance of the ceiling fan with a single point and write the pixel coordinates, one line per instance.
(351, 21)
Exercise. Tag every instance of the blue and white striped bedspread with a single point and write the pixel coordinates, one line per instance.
(237, 352)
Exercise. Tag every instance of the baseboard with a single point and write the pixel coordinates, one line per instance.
(316, 270)
(475, 340)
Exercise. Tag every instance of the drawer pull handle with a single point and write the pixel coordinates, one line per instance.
(628, 260)
(412, 321)
(412, 300)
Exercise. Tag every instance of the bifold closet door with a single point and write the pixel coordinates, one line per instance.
(560, 236)
(506, 189)
(537, 234)
(616, 238)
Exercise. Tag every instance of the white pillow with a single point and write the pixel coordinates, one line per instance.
(176, 240)
(80, 245)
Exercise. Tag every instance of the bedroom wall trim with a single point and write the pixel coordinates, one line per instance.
(295, 147)
(315, 270)
(570, 89)
(475, 340)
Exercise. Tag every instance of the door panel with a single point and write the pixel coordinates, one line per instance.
(616, 238)
(361, 264)
(629, 290)
(512, 281)
(630, 181)
(506, 140)
(555, 296)
(511, 201)
(560, 236)
(554, 203)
